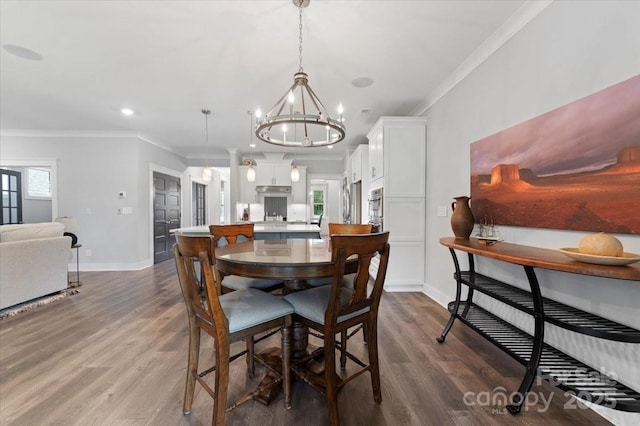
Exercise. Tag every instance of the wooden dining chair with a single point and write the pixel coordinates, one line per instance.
(348, 229)
(332, 309)
(227, 318)
(341, 228)
(232, 234)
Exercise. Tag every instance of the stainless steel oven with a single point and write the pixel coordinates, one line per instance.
(375, 209)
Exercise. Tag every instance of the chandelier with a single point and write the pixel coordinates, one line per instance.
(299, 118)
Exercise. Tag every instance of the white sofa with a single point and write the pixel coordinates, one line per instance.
(33, 261)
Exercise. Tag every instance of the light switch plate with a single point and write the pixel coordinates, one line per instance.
(442, 211)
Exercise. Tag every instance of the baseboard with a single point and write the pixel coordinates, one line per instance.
(89, 267)
(435, 294)
(398, 288)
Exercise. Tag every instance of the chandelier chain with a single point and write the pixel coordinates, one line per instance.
(300, 40)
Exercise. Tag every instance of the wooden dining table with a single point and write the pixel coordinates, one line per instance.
(292, 260)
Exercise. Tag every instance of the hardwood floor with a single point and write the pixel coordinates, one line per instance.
(115, 354)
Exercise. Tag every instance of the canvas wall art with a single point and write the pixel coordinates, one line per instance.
(576, 167)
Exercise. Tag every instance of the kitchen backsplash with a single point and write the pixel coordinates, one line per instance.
(294, 212)
(275, 208)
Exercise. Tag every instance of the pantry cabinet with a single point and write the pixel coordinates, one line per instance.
(397, 164)
(397, 156)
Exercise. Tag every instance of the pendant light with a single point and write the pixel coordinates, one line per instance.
(300, 108)
(295, 173)
(207, 173)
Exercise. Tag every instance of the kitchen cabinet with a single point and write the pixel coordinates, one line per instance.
(299, 189)
(357, 163)
(397, 164)
(273, 174)
(247, 189)
(376, 151)
(397, 156)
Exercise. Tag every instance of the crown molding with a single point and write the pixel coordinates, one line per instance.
(69, 133)
(495, 41)
(84, 134)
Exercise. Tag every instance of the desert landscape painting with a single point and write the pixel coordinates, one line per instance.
(576, 167)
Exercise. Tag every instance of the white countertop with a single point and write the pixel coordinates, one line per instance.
(267, 227)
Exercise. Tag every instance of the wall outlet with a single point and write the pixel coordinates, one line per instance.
(87, 210)
(87, 252)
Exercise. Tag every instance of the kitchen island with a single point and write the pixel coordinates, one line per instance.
(266, 230)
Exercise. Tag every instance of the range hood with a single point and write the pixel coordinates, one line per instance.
(273, 189)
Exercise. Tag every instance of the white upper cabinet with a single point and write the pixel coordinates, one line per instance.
(356, 164)
(273, 174)
(397, 156)
(376, 152)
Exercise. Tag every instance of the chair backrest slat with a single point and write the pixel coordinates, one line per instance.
(193, 252)
(350, 228)
(365, 248)
(230, 233)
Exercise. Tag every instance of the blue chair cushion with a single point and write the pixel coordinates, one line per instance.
(247, 308)
(312, 303)
(236, 282)
(317, 282)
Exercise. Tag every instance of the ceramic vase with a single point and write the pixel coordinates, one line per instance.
(461, 218)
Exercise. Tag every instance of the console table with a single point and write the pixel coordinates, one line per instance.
(538, 357)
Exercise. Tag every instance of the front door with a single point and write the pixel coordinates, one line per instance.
(166, 214)
(11, 201)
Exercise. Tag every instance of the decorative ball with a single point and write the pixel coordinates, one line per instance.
(601, 245)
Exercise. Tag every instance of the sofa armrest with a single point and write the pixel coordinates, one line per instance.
(32, 268)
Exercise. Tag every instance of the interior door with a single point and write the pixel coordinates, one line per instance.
(166, 214)
(11, 200)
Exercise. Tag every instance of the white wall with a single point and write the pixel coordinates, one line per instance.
(570, 50)
(91, 171)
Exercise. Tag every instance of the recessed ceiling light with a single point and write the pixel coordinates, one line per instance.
(252, 145)
(127, 111)
(22, 52)
(362, 82)
(330, 146)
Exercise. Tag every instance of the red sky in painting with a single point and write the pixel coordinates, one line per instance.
(584, 135)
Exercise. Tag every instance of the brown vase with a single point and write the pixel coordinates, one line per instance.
(461, 218)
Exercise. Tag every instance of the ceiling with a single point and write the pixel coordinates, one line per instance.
(169, 59)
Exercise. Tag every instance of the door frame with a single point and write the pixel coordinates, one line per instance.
(166, 171)
(51, 163)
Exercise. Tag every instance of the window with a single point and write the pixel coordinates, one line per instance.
(318, 202)
(199, 204)
(38, 183)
